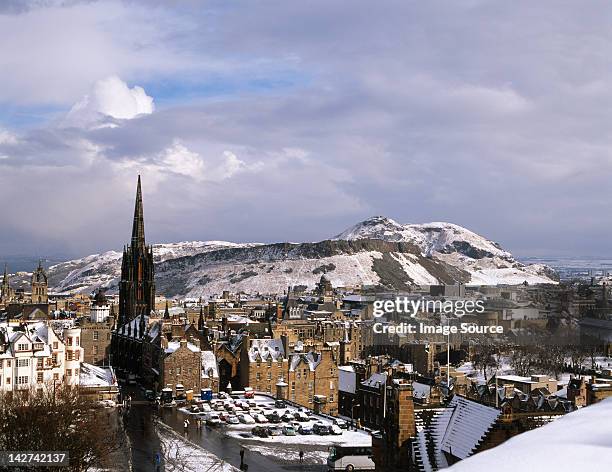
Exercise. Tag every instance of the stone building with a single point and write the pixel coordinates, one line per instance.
(96, 340)
(393, 445)
(181, 368)
(39, 285)
(266, 362)
(313, 380)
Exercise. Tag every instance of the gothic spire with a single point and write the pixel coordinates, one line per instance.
(138, 234)
(166, 312)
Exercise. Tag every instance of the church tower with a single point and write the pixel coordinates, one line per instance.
(6, 294)
(39, 285)
(137, 286)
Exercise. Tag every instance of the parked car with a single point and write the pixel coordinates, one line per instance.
(289, 430)
(222, 395)
(213, 419)
(305, 430)
(259, 418)
(272, 417)
(224, 415)
(205, 407)
(246, 419)
(287, 416)
(232, 419)
(301, 416)
(341, 423)
(280, 404)
(249, 392)
(150, 395)
(275, 430)
(320, 429)
(252, 404)
(335, 430)
(260, 432)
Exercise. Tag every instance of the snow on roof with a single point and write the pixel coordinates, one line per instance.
(312, 359)
(209, 365)
(174, 345)
(421, 390)
(375, 380)
(265, 349)
(577, 441)
(468, 424)
(95, 376)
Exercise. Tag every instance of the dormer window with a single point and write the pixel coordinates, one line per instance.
(22, 347)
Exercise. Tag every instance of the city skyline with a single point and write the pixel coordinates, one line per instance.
(248, 128)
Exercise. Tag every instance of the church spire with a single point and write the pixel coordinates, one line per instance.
(138, 234)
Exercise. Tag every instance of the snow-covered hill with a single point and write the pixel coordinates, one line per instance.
(378, 251)
(485, 260)
(431, 238)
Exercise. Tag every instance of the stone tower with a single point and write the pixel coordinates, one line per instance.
(6, 293)
(39, 285)
(137, 286)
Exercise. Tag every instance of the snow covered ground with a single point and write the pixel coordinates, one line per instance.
(237, 431)
(581, 440)
(182, 455)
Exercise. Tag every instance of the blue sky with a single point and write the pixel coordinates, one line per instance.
(274, 121)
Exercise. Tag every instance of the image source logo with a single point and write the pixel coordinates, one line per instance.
(404, 305)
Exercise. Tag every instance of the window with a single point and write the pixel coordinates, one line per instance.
(8, 363)
(269, 375)
(69, 341)
(8, 380)
(69, 372)
(95, 335)
(68, 355)
(22, 380)
(77, 341)
(108, 336)
(54, 345)
(76, 372)
(56, 376)
(22, 347)
(95, 349)
(23, 362)
(39, 377)
(40, 363)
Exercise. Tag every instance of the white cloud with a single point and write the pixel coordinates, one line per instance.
(109, 98)
(6, 137)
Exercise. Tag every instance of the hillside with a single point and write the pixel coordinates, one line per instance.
(377, 251)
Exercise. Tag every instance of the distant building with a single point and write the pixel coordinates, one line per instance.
(39, 285)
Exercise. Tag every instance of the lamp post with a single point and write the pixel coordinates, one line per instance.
(353, 412)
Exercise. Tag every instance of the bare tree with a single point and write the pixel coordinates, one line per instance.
(521, 360)
(56, 418)
(485, 357)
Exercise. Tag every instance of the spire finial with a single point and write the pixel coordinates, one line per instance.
(138, 234)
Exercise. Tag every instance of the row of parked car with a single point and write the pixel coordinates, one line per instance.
(293, 429)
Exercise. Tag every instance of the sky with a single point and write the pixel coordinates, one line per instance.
(291, 121)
